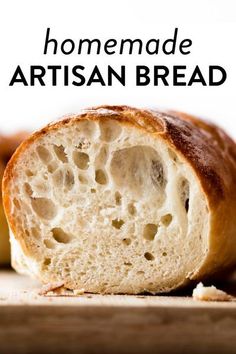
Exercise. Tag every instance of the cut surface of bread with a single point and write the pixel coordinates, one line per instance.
(107, 201)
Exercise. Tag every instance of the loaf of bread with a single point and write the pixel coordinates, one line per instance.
(123, 200)
(8, 144)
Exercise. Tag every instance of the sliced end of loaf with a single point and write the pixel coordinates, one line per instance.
(108, 207)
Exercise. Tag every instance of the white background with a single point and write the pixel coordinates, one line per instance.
(211, 24)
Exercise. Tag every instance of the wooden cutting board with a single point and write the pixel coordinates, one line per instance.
(30, 323)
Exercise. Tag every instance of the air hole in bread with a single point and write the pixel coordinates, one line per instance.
(140, 272)
(139, 168)
(102, 157)
(83, 179)
(44, 154)
(81, 274)
(93, 190)
(88, 128)
(16, 203)
(52, 166)
(44, 208)
(57, 178)
(184, 193)
(117, 223)
(164, 254)
(128, 264)
(49, 243)
(186, 205)
(131, 209)
(166, 219)
(118, 198)
(81, 160)
(28, 189)
(149, 232)
(100, 177)
(60, 153)
(126, 241)
(29, 173)
(149, 256)
(60, 235)
(110, 130)
(47, 261)
(157, 174)
(69, 179)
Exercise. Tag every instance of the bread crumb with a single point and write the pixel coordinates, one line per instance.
(58, 289)
(47, 288)
(210, 293)
(62, 291)
(78, 292)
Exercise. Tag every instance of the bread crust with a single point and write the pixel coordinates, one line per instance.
(209, 151)
(8, 144)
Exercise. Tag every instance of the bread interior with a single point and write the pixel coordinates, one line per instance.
(108, 207)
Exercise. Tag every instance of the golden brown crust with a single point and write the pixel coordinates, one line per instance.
(212, 153)
(8, 144)
(207, 148)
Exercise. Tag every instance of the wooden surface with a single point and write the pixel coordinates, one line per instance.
(30, 323)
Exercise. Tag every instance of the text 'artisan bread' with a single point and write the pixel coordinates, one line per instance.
(123, 200)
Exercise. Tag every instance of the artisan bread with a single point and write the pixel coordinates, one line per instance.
(8, 144)
(123, 200)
